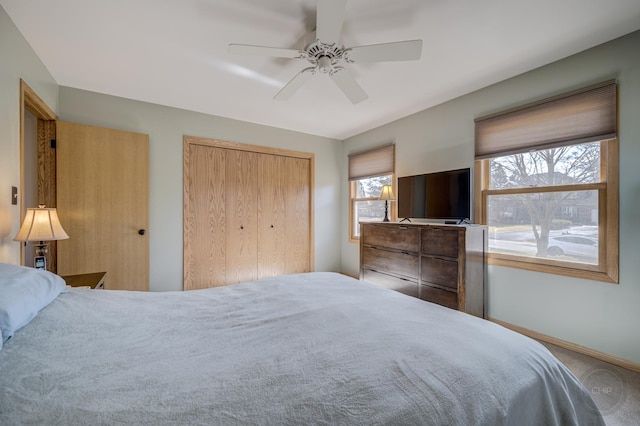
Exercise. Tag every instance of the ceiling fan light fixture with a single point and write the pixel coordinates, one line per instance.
(325, 65)
(327, 56)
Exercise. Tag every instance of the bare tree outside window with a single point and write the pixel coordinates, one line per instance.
(538, 206)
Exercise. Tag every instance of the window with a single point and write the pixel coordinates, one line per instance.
(365, 205)
(551, 202)
(369, 171)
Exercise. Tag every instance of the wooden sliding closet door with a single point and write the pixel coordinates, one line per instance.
(297, 216)
(205, 218)
(272, 232)
(248, 212)
(283, 215)
(241, 203)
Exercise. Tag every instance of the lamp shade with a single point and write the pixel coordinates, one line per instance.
(387, 193)
(41, 224)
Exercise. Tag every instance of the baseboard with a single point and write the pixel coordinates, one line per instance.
(349, 275)
(629, 365)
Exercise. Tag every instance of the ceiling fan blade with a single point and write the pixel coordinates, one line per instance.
(329, 19)
(410, 50)
(296, 82)
(349, 86)
(275, 52)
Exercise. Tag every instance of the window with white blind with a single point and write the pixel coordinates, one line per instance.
(546, 184)
(369, 171)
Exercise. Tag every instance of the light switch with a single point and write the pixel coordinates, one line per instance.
(14, 195)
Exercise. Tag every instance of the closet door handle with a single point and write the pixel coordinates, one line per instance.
(142, 231)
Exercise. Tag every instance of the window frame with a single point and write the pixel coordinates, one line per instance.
(607, 269)
(353, 199)
(366, 164)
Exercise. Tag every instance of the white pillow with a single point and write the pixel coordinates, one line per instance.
(23, 293)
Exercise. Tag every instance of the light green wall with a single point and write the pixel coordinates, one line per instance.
(17, 60)
(601, 316)
(166, 127)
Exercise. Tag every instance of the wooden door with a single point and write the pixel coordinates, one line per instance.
(283, 215)
(298, 218)
(205, 219)
(272, 220)
(103, 204)
(248, 212)
(241, 216)
(221, 218)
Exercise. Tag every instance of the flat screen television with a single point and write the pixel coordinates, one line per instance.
(441, 195)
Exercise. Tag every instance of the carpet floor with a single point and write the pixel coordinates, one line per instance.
(615, 390)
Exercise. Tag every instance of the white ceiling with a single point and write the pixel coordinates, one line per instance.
(175, 52)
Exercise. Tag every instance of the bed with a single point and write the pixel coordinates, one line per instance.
(317, 348)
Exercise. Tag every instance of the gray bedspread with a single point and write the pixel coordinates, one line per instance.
(315, 348)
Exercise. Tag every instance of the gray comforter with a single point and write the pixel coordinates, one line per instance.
(315, 348)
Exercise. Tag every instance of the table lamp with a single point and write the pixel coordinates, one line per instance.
(41, 224)
(387, 195)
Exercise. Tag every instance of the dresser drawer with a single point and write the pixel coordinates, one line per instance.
(441, 272)
(401, 238)
(391, 261)
(440, 242)
(405, 286)
(440, 263)
(445, 298)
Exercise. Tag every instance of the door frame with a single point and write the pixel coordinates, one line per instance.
(30, 101)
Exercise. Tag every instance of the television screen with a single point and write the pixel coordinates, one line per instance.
(441, 195)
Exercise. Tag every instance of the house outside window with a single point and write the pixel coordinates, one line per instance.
(368, 171)
(552, 206)
(534, 199)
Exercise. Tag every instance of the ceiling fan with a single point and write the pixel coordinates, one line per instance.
(328, 57)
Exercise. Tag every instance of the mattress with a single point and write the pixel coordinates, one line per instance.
(317, 348)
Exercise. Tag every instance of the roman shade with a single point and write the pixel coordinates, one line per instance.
(581, 116)
(372, 162)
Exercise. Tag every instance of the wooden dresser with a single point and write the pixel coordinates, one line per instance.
(444, 264)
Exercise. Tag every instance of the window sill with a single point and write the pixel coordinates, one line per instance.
(535, 265)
